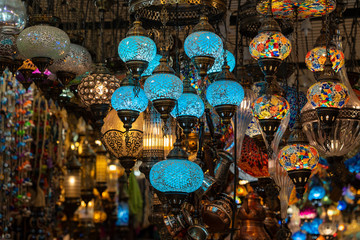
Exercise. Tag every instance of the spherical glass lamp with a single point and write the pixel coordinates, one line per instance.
(127, 104)
(269, 110)
(219, 62)
(163, 88)
(225, 94)
(270, 47)
(95, 91)
(316, 193)
(43, 44)
(176, 176)
(137, 50)
(327, 229)
(75, 63)
(315, 59)
(203, 46)
(299, 236)
(152, 65)
(13, 16)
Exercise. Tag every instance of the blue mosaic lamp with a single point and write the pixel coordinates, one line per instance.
(176, 176)
(189, 109)
(299, 236)
(225, 94)
(203, 46)
(219, 62)
(163, 88)
(152, 65)
(127, 104)
(137, 50)
(316, 193)
(312, 227)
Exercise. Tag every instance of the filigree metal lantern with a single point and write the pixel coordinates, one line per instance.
(225, 94)
(203, 46)
(189, 109)
(87, 158)
(176, 176)
(124, 145)
(42, 43)
(72, 185)
(75, 63)
(95, 91)
(137, 50)
(163, 88)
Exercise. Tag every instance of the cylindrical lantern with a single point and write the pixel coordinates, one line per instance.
(72, 183)
(112, 177)
(101, 169)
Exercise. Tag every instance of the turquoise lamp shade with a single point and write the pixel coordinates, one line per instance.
(203, 43)
(152, 65)
(341, 205)
(312, 227)
(189, 104)
(219, 62)
(176, 176)
(225, 92)
(317, 193)
(124, 99)
(299, 236)
(137, 48)
(163, 86)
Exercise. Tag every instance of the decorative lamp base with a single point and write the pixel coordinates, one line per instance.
(65, 77)
(187, 123)
(128, 117)
(70, 206)
(327, 117)
(164, 107)
(269, 66)
(42, 63)
(203, 64)
(101, 187)
(269, 127)
(137, 68)
(175, 200)
(99, 112)
(87, 195)
(300, 178)
(197, 232)
(226, 112)
(128, 164)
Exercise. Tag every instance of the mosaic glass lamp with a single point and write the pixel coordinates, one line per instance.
(299, 236)
(13, 16)
(163, 89)
(95, 91)
(219, 62)
(127, 104)
(291, 97)
(43, 44)
(328, 96)
(225, 94)
(77, 62)
(189, 109)
(269, 110)
(152, 65)
(270, 47)
(298, 158)
(315, 59)
(327, 229)
(176, 176)
(203, 46)
(312, 228)
(137, 50)
(316, 193)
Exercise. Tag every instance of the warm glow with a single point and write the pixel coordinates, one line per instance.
(77, 144)
(112, 167)
(341, 227)
(72, 146)
(98, 142)
(72, 180)
(243, 182)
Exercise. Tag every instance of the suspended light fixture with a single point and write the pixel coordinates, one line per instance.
(75, 63)
(137, 50)
(23, 75)
(328, 229)
(189, 107)
(95, 91)
(13, 16)
(328, 96)
(219, 63)
(101, 169)
(176, 176)
(152, 65)
(225, 94)
(203, 46)
(43, 43)
(316, 194)
(127, 104)
(163, 88)
(298, 158)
